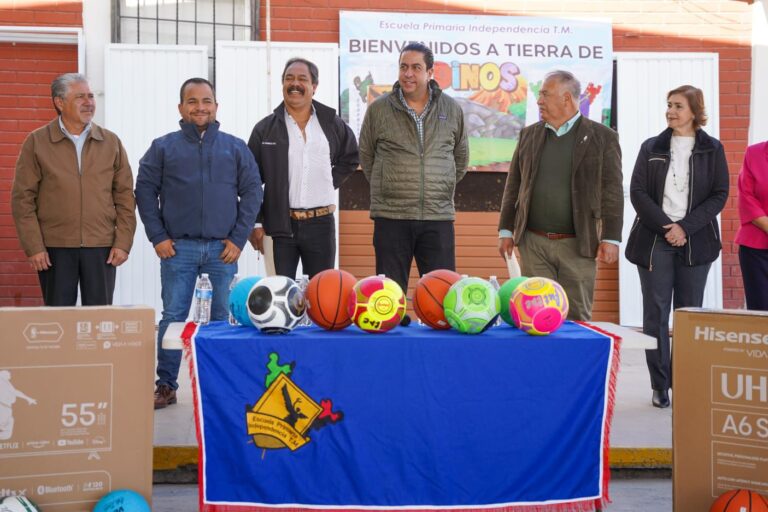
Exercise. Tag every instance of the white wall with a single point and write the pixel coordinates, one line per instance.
(141, 96)
(643, 80)
(758, 121)
(141, 103)
(97, 23)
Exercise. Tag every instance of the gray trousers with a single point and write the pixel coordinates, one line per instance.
(560, 260)
(671, 282)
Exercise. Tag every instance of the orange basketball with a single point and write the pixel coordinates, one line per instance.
(740, 500)
(326, 297)
(429, 295)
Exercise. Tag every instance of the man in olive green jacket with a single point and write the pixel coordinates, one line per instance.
(72, 200)
(413, 151)
(563, 203)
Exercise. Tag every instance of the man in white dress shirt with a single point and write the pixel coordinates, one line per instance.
(304, 151)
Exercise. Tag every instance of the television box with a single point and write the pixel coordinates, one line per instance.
(720, 405)
(76, 413)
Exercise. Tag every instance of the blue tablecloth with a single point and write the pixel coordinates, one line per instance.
(414, 418)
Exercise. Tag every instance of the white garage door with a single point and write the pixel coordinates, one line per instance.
(643, 80)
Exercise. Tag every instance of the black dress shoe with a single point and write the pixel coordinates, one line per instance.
(660, 398)
(406, 321)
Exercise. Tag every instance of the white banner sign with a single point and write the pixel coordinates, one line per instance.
(493, 65)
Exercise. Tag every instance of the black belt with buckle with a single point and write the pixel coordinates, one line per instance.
(552, 236)
(312, 212)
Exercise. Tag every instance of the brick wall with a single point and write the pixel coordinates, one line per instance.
(26, 71)
(639, 25)
(41, 13)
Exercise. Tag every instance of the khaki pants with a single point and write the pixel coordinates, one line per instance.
(560, 260)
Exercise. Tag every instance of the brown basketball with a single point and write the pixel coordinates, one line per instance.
(429, 295)
(326, 296)
(740, 500)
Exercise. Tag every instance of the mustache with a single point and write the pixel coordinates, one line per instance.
(295, 88)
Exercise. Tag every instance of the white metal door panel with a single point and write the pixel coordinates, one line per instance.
(141, 103)
(643, 81)
(249, 87)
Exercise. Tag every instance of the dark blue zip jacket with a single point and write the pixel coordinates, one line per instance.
(198, 187)
(707, 195)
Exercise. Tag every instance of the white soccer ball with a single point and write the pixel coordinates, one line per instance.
(275, 304)
(17, 504)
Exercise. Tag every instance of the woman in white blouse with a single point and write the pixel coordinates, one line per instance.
(679, 185)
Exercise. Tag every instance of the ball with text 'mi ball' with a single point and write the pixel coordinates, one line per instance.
(18, 504)
(376, 304)
(539, 306)
(122, 500)
(740, 500)
(471, 305)
(327, 295)
(429, 295)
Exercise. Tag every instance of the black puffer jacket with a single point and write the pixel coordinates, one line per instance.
(708, 192)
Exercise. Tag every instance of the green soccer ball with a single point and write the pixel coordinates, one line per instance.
(471, 305)
(505, 295)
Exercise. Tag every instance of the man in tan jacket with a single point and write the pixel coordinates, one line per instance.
(72, 200)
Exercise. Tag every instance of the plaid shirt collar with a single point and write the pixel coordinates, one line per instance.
(418, 119)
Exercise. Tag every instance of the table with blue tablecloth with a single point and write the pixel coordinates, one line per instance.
(411, 419)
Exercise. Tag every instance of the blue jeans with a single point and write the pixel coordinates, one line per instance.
(177, 277)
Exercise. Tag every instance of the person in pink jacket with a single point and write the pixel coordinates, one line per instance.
(752, 236)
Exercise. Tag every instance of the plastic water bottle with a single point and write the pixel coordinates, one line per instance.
(203, 299)
(495, 283)
(235, 280)
(303, 284)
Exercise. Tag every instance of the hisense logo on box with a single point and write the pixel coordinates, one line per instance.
(708, 333)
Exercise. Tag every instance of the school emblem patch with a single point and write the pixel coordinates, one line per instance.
(285, 413)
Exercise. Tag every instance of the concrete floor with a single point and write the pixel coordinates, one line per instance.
(628, 495)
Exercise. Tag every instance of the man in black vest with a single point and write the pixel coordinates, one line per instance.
(304, 151)
(563, 202)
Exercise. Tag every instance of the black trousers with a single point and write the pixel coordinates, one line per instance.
(397, 242)
(313, 241)
(670, 277)
(754, 272)
(84, 266)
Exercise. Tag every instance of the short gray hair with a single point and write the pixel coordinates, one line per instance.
(61, 84)
(568, 80)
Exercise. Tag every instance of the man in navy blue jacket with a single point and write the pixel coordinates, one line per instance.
(198, 192)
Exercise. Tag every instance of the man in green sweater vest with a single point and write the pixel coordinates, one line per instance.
(563, 201)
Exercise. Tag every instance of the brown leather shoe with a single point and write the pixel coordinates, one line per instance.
(164, 396)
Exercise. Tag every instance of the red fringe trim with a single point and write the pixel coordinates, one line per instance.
(580, 506)
(571, 506)
(615, 363)
(583, 506)
(186, 339)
